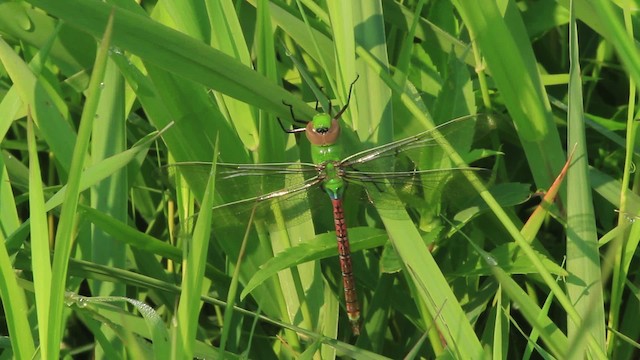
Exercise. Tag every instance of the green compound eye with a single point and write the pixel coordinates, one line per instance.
(321, 123)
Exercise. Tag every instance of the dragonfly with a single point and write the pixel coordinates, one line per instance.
(392, 171)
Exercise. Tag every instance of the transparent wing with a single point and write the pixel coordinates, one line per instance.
(250, 183)
(273, 189)
(415, 170)
(459, 133)
(281, 196)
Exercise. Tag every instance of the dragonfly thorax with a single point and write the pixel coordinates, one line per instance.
(332, 182)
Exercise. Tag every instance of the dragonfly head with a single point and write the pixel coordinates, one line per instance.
(323, 130)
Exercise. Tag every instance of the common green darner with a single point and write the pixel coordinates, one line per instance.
(392, 171)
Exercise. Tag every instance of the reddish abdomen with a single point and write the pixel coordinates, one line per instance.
(344, 251)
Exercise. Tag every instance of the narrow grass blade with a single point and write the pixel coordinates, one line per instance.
(190, 17)
(8, 209)
(65, 235)
(403, 18)
(193, 266)
(294, 283)
(233, 289)
(309, 35)
(549, 331)
(105, 168)
(343, 17)
(14, 301)
(555, 340)
(40, 246)
(432, 287)
(122, 232)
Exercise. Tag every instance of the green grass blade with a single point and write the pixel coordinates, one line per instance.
(402, 17)
(373, 118)
(431, 286)
(40, 246)
(8, 209)
(299, 280)
(555, 340)
(322, 246)
(14, 301)
(193, 274)
(110, 195)
(105, 168)
(308, 34)
(503, 41)
(583, 260)
(122, 232)
(16, 308)
(614, 29)
(65, 235)
(343, 18)
(430, 283)
(190, 17)
(165, 47)
(549, 331)
(35, 92)
(227, 36)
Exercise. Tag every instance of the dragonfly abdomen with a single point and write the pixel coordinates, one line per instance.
(344, 252)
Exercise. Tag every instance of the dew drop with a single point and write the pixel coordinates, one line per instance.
(82, 302)
(490, 260)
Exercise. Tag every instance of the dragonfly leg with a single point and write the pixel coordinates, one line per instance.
(348, 99)
(294, 129)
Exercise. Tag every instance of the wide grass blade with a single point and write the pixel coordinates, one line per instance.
(52, 125)
(227, 36)
(583, 260)
(165, 47)
(110, 196)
